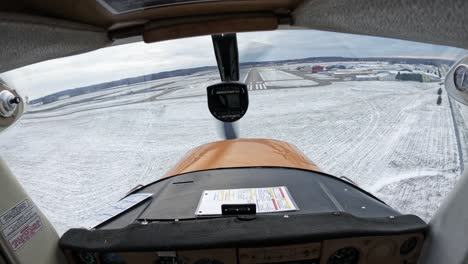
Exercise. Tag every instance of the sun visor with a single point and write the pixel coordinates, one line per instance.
(125, 6)
(208, 25)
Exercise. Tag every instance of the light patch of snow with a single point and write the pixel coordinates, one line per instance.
(382, 183)
(291, 83)
(421, 196)
(268, 74)
(196, 89)
(321, 76)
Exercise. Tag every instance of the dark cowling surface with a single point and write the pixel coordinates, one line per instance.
(314, 192)
(328, 208)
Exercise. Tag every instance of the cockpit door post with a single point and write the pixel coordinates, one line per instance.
(26, 235)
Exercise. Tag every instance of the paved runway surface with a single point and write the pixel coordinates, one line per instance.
(254, 81)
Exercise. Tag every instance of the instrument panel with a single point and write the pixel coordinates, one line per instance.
(404, 249)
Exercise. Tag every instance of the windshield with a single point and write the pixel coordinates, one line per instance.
(366, 108)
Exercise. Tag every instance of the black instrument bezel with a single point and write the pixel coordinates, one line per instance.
(228, 92)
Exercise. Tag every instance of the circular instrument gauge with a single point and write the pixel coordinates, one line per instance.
(408, 246)
(460, 77)
(347, 255)
(85, 257)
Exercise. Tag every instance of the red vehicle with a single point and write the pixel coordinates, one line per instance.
(317, 68)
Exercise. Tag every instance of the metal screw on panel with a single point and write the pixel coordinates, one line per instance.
(15, 100)
(336, 213)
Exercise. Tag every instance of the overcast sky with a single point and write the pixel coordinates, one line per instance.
(139, 58)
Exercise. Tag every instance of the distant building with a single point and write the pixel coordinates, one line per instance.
(336, 67)
(387, 77)
(317, 68)
(347, 74)
(409, 77)
(417, 77)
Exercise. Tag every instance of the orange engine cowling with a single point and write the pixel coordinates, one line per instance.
(243, 153)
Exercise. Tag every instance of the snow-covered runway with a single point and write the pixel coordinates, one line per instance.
(388, 136)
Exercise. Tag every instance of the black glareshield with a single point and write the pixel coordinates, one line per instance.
(228, 101)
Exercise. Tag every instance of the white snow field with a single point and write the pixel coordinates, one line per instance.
(321, 76)
(291, 83)
(271, 74)
(390, 137)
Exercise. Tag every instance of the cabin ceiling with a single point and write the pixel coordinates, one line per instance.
(39, 30)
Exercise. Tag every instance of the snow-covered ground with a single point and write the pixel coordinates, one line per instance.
(388, 136)
(321, 76)
(291, 83)
(270, 74)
